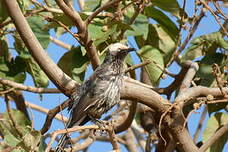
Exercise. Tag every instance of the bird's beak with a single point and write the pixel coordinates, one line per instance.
(128, 50)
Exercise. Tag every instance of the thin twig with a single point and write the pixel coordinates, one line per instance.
(176, 83)
(63, 131)
(60, 43)
(100, 9)
(192, 30)
(200, 125)
(181, 24)
(137, 66)
(63, 26)
(81, 4)
(215, 16)
(20, 86)
(219, 9)
(164, 70)
(83, 145)
(44, 110)
(217, 74)
(7, 91)
(52, 113)
(113, 138)
(14, 123)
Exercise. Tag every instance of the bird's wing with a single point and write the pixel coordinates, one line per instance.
(85, 98)
(83, 101)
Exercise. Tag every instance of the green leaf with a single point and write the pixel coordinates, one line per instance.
(3, 12)
(61, 18)
(150, 53)
(40, 79)
(37, 25)
(205, 44)
(92, 5)
(9, 138)
(141, 41)
(27, 140)
(102, 38)
(205, 68)
(170, 6)
(204, 74)
(18, 149)
(166, 23)
(140, 26)
(42, 144)
(102, 34)
(19, 118)
(74, 64)
(129, 60)
(215, 38)
(160, 39)
(10, 133)
(214, 123)
(30, 141)
(12, 70)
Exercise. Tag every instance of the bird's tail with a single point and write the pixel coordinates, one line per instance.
(63, 140)
(62, 143)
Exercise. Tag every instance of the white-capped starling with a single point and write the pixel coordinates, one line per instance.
(100, 92)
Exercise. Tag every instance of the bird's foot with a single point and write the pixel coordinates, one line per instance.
(103, 126)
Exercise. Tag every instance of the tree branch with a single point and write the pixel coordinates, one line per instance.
(60, 43)
(198, 91)
(144, 95)
(200, 125)
(52, 113)
(83, 34)
(176, 83)
(44, 110)
(128, 120)
(100, 9)
(20, 102)
(186, 83)
(20, 86)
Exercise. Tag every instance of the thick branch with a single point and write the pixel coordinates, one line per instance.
(199, 91)
(57, 76)
(83, 34)
(144, 95)
(186, 83)
(128, 120)
(185, 142)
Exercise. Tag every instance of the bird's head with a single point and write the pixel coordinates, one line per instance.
(118, 51)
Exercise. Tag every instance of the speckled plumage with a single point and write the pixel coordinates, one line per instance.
(100, 92)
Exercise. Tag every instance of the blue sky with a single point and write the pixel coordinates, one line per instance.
(207, 25)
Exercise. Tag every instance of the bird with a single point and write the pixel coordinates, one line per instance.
(100, 92)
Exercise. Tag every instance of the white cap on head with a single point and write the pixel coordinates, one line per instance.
(117, 46)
